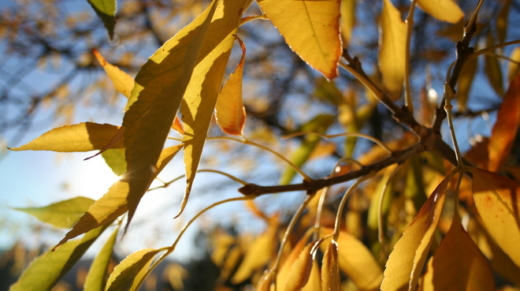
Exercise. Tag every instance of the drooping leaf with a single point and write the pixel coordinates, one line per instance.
(115, 159)
(406, 261)
(467, 74)
(458, 264)
(121, 80)
(497, 199)
(504, 131)
(46, 270)
(258, 253)
(129, 273)
(392, 49)
(311, 29)
(211, 54)
(330, 280)
(62, 214)
(230, 112)
(264, 284)
(82, 137)
(445, 10)
(514, 68)
(114, 202)
(493, 70)
(501, 22)
(97, 274)
(348, 20)
(296, 268)
(106, 10)
(318, 124)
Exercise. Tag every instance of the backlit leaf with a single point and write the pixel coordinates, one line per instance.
(295, 271)
(458, 264)
(330, 280)
(348, 20)
(114, 202)
(504, 131)
(445, 10)
(129, 273)
(392, 49)
(97, 274)
(62, 214)
(311, 29)
(497, 199)
(318, 124)
(406, 261)
(82, 137)
(229, 109)
(213, 44)
(46, 270)
(121, 80)
(115, 159)
(258, 253)
(514, 68)
(106, 10)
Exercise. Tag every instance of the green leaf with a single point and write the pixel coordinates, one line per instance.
(114, 202)
(81, 137)
(209, 51)
(318, 124)
(129, 273)
(46, 270)
(493, 70)
(467, 74)
(115, 159)
(97, 274)
(106, 10)
(62, 214)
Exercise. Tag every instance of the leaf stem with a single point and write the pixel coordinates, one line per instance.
(329, 136)
(409, 29)
(491, 49)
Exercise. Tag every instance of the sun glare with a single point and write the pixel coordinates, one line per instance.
(94, 178)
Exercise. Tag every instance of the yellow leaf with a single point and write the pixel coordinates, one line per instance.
(211, 51)
(46, 270)
(61, 214)
(514, 68)
(311, 29)
(97, 274)
(258, 253)
(444, 10)
(330, 280)
(348, 20)
(504, 131)
(406, 261)
(121, 80)
(114, 202)
(129, 273)
(458, 264)
(81, 137)
(392, 49)
(229, 109)
(264, 284)
(314, 282)
(497, 199)
(295, 271)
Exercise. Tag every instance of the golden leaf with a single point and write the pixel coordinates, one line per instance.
(445, 10)
(330, 280)
(497, 199)
(406, 261)
(121, 80)
(311, 29)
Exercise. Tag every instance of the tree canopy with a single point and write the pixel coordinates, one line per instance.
(396, 121)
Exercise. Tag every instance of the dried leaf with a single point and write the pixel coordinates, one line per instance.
(230, 112)
(129, 273)
(504, 131)
(46, 270)
(311, 29)
(392, 49)
(406, 261)
(97, 274)
(444, 10)
(82, 137)
(62, 214)
(458, 264)
(211, 51)
(497, 199)
(121, 80)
